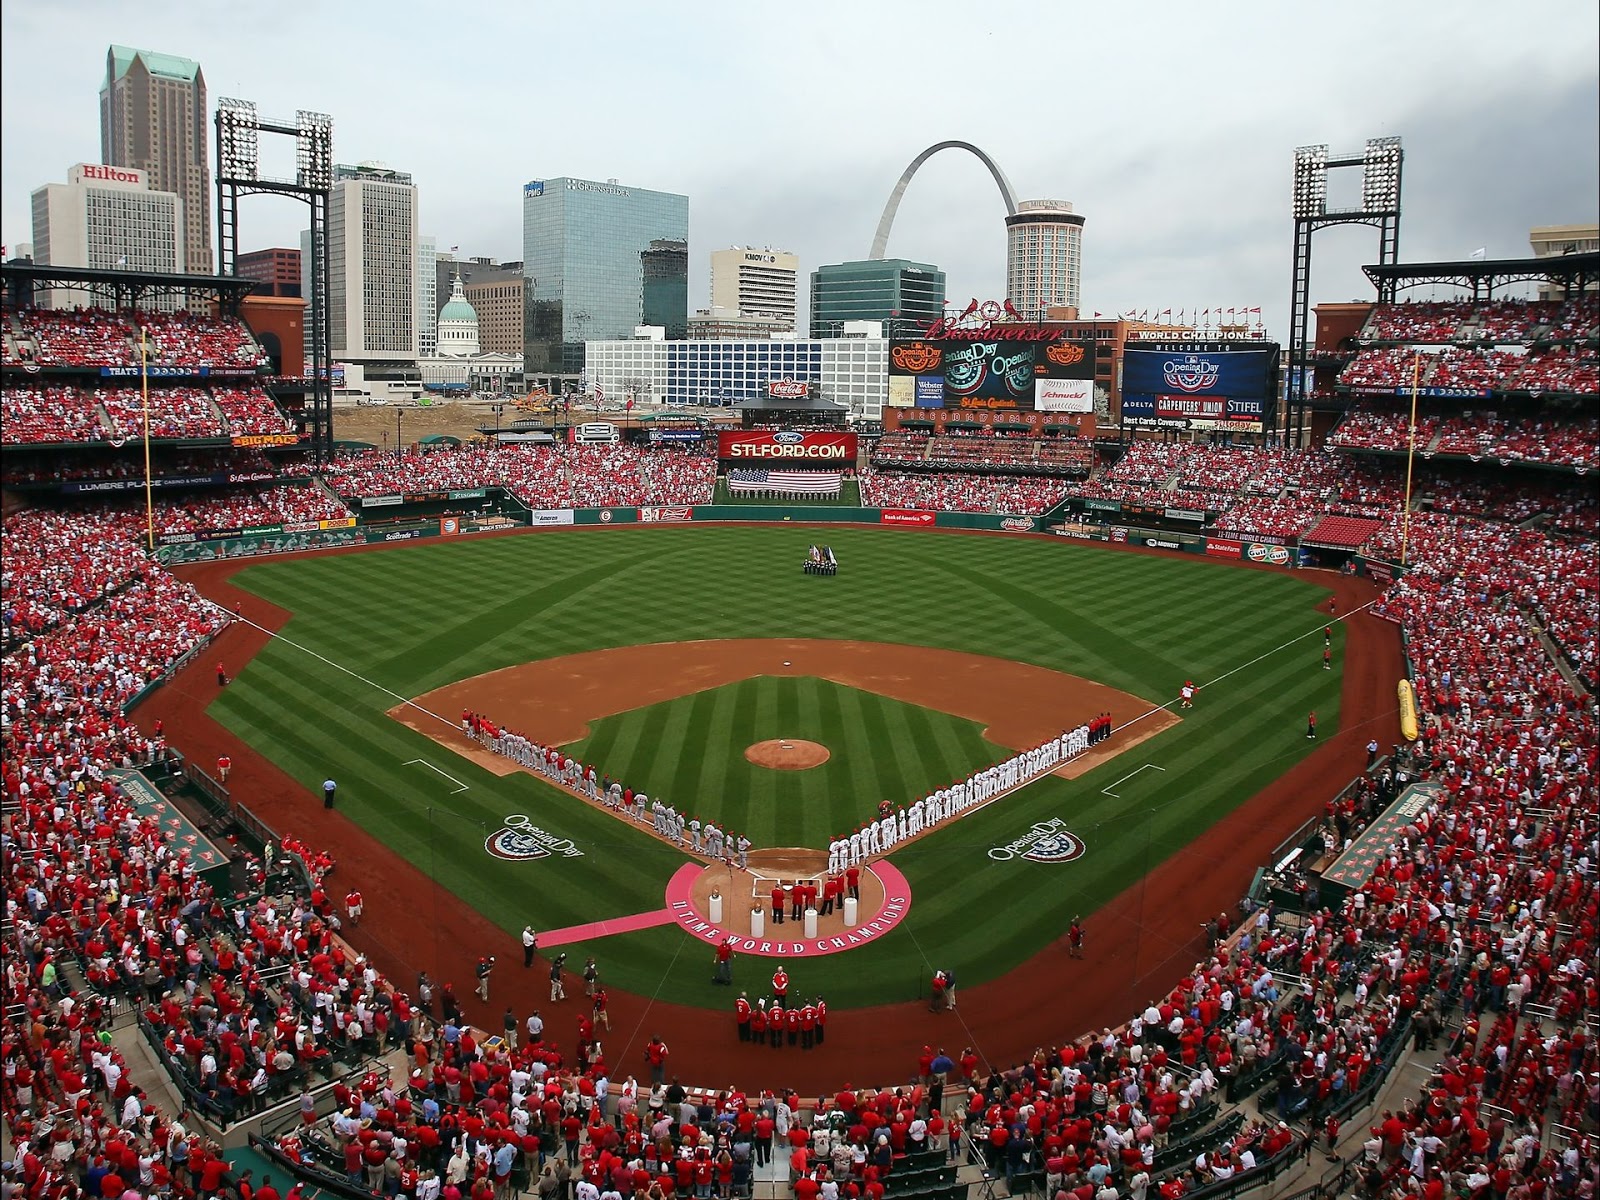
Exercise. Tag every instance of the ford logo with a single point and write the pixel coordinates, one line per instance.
(788, 437)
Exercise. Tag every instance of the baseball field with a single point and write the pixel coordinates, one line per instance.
(664, 655)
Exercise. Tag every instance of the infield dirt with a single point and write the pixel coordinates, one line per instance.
(1138, 945)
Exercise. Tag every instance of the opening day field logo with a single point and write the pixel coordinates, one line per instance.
(1047, 842)
(519, 840)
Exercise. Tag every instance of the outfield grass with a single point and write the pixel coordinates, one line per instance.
(415, 617)
(650, 748)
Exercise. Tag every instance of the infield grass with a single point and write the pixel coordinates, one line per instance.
(415, 617)
(691, 752)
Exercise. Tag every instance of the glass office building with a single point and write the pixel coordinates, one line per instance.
(582, 243)
(906, 296)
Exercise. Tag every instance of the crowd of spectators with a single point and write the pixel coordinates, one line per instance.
(539, 476)
(46, 414)
(186, 339)
(175, 412)
(1492, 322)
(250, 410)
(959, 492)
(80, 337)
(985, 451)
(1476, 370)
(94, 337)
(1481, 913)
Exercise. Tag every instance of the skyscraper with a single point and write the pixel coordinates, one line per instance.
(582, 245)
(756, 283)
(372, 265)
(1044, 257)
(153, 119)
(665, 298)
(903, 295)
(427, 296)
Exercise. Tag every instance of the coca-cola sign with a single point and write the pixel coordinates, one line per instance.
(788, 389)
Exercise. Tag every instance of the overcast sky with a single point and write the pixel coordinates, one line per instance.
(1172, 127)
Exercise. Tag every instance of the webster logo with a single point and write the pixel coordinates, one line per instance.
(1191, 373)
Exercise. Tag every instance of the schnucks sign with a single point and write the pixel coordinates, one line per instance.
(788, 445)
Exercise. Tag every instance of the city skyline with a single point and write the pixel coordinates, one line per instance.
(1185, 179)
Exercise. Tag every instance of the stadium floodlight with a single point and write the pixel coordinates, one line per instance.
(313, 150)
(1310, 181)
(238, 139)
(1380, 175)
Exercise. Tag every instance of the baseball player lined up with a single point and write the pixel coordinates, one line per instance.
(704, 838)
(881, 835)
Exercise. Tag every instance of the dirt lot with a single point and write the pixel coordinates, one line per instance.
(453, 418)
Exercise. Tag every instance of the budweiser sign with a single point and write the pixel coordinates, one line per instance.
(991, 321)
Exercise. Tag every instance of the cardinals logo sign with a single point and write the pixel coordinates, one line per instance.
(520, 840)
(916, 358)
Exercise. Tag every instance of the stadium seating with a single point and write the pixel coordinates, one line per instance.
(1482, 911)
(539, 476)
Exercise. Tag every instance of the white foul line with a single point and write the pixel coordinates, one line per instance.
(460, 787)
(1106, 791)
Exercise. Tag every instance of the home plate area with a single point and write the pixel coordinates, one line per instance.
(695, 894)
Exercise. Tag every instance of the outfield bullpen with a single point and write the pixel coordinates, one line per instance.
(415, 619)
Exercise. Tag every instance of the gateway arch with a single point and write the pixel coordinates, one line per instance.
(880, 240)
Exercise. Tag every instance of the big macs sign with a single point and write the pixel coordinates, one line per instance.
(788, 445)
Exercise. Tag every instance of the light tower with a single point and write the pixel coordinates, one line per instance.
(1380, 207)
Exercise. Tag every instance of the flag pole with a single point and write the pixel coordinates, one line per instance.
(144, 388)
(1411, 456)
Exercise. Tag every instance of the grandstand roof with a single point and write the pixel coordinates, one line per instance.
(813, 404)
(1475, 273)
(123, 288)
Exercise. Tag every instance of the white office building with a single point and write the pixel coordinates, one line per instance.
(1044, 257)
(107, 218)
(373, 247)
(852, 370)
(756, 283)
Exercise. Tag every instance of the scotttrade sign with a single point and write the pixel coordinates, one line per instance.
(788, 445)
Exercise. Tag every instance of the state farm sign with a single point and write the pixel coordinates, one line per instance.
(100, 173)
(787, 445)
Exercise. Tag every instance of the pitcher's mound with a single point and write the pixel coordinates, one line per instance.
(787, 754)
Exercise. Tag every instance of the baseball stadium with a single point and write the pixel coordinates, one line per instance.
(1166, 780)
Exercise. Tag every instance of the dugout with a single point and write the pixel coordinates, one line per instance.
(1354, 868)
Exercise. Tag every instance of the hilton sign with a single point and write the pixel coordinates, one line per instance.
(99, 173)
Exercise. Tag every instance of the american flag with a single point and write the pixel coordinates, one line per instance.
(599, 392)
(811, 483)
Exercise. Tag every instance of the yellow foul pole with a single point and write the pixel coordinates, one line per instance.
(149, 502)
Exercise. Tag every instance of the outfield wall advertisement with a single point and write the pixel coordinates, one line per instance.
(823, 448)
